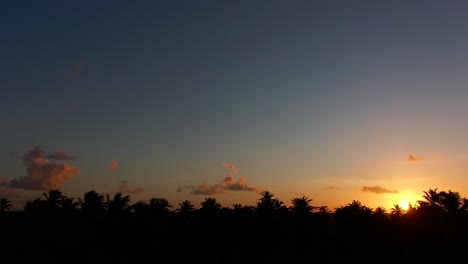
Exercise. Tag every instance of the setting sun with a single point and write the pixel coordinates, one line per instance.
(404, 205)
(404, 200)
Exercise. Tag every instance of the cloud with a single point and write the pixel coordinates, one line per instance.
(412, 158)
(113, 166)
(181, 188)
(3, 180)
(43, 174)
(229, 183)
(60, 155)
(125, 188)
(231, 167)
(77, 70)
(205, 189)
(330, 188)
(377, 190)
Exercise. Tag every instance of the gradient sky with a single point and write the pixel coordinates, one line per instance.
(335, 100)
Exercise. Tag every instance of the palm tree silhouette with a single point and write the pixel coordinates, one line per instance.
(323, 210)
(353, 217)
(210, 207)
(397, 212)
(185, 207)
(139, 208)
(69, 205)
(118, 204)
(242, 210)
(451, 202)
(159, 206)
(92, 203)
(53, 199)
(301, 206)
(431, 197)
(380, 211)
(5, 205)
(267, 205)
(380, 216)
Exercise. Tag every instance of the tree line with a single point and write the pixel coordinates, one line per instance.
(99, 227)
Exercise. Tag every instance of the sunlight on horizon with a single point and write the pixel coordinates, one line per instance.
(405, 199)
(404, 205)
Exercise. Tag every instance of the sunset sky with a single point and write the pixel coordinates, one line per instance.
(334, 100)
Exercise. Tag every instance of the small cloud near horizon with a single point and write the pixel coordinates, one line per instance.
(229, 183)
(331, 188)
(42, 174)
(125, 188)
(113, 165)
(377, 190)
(230, 166)
(413, 159)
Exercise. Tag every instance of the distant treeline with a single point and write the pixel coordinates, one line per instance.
(56, 228)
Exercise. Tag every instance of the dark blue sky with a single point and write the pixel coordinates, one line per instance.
(315, 90)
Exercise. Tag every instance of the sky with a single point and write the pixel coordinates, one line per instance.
(184, 100)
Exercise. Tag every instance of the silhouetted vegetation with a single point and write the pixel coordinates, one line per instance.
(94, 228)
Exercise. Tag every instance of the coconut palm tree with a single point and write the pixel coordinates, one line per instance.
(301, 206)
(140, 208)
(53, 199)
(431, 197)
(34, 206)
(185, 207)
(268, 205)
(210, 207)
(353, 218)
(242, 210)
(380, 215)
(119, 204)
(450, 202)
(159, 206)
(92, 203)
(69, 205)
(323, 210)
(355, 208)
(5, 205)
(380, 211)
(396, 212)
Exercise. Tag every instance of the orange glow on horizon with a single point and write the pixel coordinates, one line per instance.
(404, 205)
(405, 200)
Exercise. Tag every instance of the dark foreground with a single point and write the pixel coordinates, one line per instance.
(176, 238)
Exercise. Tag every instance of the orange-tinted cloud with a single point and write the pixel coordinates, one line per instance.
(377, 190)
(43, 174)
(125, 188)
(413, 158)
(330, 188)
(229, 183)
(205, 189)
(77, 70)
(2, 180)
(113, 166)
(231, 167)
